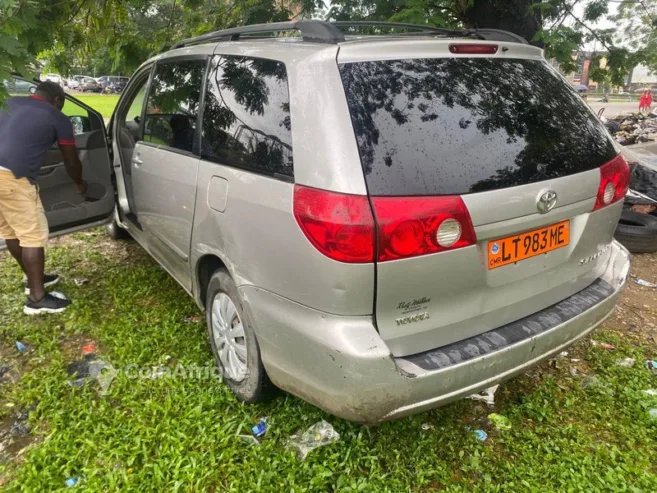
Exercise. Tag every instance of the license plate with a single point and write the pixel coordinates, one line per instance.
(526, 245)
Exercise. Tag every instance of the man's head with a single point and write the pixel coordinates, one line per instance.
(51, 92)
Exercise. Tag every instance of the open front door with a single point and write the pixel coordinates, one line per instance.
(66, 210)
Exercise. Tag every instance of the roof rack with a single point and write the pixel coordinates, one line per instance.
(312, 30)
(422, 28)
(316, 31)
(484, 34)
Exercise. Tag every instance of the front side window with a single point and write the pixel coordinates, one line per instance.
(246, 118)
(80, 117)
(129, 117)
(173, 104)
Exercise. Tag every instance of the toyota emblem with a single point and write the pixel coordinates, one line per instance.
(546, 201)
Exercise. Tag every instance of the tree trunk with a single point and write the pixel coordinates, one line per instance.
(509, 15)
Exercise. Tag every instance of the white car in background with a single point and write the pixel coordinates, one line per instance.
(73, 83)
(56, 78)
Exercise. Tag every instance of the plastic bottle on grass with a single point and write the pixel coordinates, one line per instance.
(318, 435)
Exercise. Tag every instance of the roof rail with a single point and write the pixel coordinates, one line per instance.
(317, 31)
(484, 34)
(311, 30)
(423, 28)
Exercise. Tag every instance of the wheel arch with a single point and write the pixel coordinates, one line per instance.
(206, 265)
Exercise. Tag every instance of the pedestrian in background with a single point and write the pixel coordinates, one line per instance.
(642, 102)
(648, 101)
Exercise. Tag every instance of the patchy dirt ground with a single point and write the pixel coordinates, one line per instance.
(635, 316)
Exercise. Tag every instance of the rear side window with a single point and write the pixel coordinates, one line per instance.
(446, 126)
(173, 104)
(246, 117)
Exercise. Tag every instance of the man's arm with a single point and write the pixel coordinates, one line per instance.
(73, 165)
(66, 143)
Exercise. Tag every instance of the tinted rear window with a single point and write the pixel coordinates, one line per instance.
(460, 125)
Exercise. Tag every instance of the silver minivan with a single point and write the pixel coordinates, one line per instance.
(378, 224)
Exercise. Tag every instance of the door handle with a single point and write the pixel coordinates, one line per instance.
(137, 161)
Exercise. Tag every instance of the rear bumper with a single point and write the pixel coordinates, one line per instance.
(342, 365)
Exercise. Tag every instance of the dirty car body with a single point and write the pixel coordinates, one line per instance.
(398, 222)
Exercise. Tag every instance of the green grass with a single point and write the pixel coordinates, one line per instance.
(103, 103)
(180, 435)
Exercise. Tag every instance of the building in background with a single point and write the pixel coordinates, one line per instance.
(638, 78)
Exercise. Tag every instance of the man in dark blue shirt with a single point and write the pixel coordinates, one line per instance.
(29, 126)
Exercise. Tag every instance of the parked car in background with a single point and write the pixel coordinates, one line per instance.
(113, 83)
(89, 84)
(105, 81)
(56, 78)
(73, 83)
(117, 86)
(19, 86)
(102, 81)
(79, 79)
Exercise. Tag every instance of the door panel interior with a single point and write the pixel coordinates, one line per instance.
(64, 206)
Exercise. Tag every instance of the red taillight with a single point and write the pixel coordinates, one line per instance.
(339, 225)
(473, 49)
(411, 226)
(614, 182)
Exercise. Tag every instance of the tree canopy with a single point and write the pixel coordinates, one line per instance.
(115, 36)
(554, 25)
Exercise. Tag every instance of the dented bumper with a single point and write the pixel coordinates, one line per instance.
(342, 365)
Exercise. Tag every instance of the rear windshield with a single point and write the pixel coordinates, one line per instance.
(444, 126)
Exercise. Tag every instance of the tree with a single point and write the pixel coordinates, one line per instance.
(552, 24)
(119, 34)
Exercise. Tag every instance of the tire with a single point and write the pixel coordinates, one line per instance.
(637, 232)
(252, 385)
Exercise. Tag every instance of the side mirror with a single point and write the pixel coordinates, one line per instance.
(137, 119)
(32, 89)
(81, 124)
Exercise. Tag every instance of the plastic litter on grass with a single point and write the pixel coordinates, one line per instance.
(500, 422)
(590, 381)
(318, 435)
(626, 362)
(22, 348)
(89, 348)
(603, 345)
(71, 482)
(593, 382)
(88, 369)
(249, 439)
(487, 396)
(480, 435)
(648, 284)
(260, 429)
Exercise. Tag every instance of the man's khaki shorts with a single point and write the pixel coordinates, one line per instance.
(21, 213)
